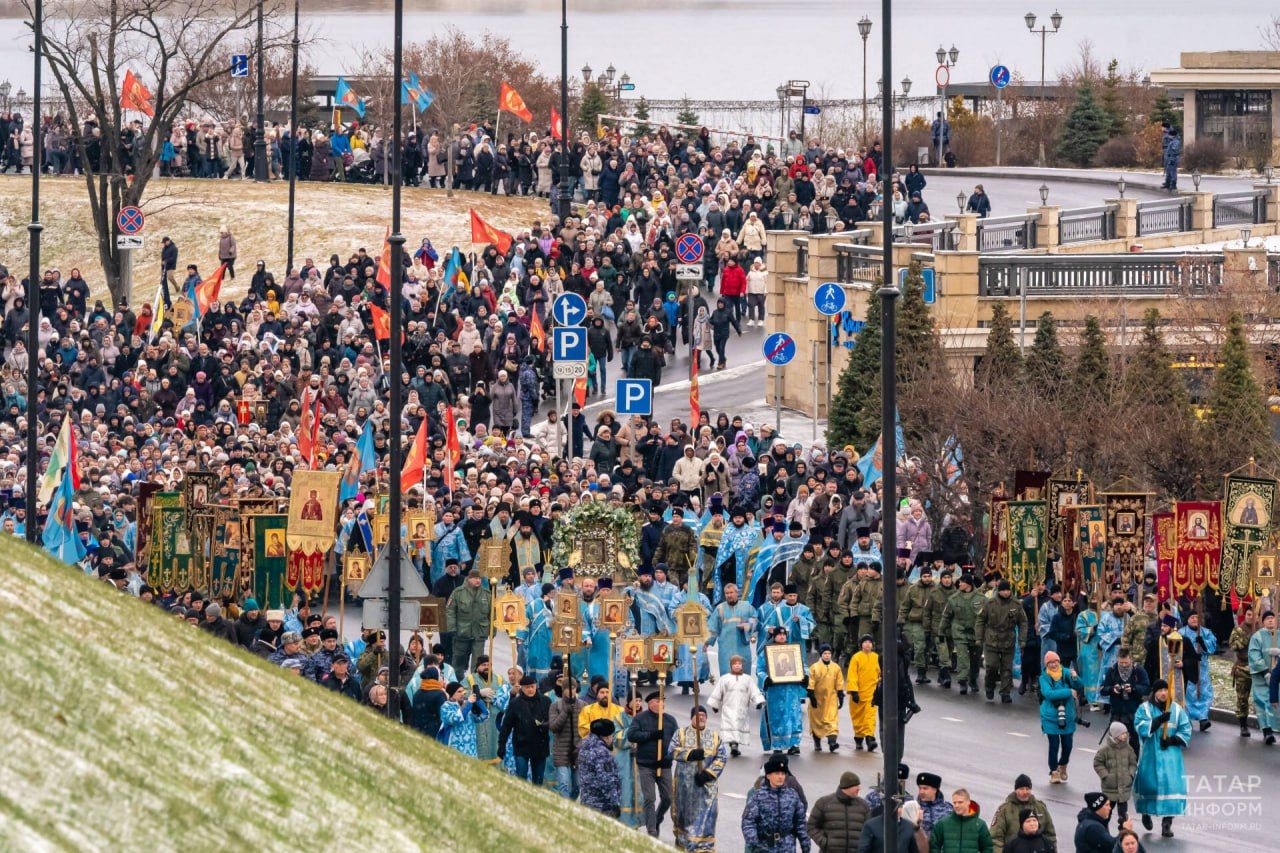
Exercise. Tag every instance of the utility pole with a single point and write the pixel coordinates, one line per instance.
(33, 279)
(396, 390)
(260, 167)
(293, 137)
(565, 186)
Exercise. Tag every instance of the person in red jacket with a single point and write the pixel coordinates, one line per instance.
(733, 287)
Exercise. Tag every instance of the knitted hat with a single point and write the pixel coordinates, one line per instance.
(1095, 800)
(1024, 781)
(848, 779)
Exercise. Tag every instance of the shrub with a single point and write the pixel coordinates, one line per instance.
(1118, 152)
(1207, 155)
(1150, 145)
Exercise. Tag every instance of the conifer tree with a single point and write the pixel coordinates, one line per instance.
(1085, 129)
(1001, 362)
(1045, 360)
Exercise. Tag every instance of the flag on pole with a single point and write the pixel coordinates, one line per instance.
(695, 406)
(580, 391)
(415, 463)
(383, 276)
(134, 95)
(452, 447)
(60, 536)
(363, 460)
(309, 426)
(344, 94)
(537, 332)
(557, 126)
(381, 322)
(483, 232)
(207, 290)
(413, 92)
(65, 456)
(509, 99)
(455, 276)
(872, 462)
(157, 317)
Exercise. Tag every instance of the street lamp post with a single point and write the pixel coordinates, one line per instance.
(5, 88)
(395, 299)
(293, 137)
(260, 172)
(946, 59)
(33, 276)
(1056, 19)
(563, 207)
(888, 294)
(864, 30)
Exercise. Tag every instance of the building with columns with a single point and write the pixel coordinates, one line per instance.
(1230, 95)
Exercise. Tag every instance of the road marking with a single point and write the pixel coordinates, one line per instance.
(951, 719)
(733, 796)
(1017, 734)
(1085, 749)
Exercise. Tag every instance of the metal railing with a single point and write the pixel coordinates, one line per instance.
(1164, 216)
(1246, 208)
(855, 262)
(939, 236)
(1007, 233)
(802, 256)
(1085, 224)
(1099, 275)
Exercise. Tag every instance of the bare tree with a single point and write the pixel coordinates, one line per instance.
(1271, 33)
(174, 47)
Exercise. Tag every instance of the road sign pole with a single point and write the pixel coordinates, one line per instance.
(999, 111)
(777, 400)
(830, 331)
(126, 274)
(815, 390)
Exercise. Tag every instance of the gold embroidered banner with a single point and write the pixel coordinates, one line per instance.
(1026, 544)
(313, 509)
(1126, 535)
(1246, 520)
(1198, 527)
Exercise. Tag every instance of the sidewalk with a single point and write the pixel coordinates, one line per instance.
(1133, 177)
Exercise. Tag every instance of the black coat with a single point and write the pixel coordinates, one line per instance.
(1125, 705)
(525, 723)
(1092, 834)
(349, 688)
(425, 712)
(645, 735)
(872, 840)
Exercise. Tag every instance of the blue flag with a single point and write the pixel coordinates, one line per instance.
(364, 459)
(60, 537)
(344, 94)
(871, 463)
(413, 92)
(454, 275)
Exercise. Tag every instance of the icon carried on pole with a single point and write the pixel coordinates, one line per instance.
(635, 397)
(569, 309)
(689, 249)
(240, 65)
(130, 220)
(829, 298)
(779, 348)
(1000, 76)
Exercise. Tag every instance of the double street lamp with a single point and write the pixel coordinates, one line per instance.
(899, 99)
(1056, 20)
(606, 81)
(864, 30)
(947, 60)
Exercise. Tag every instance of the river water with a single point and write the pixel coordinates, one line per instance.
(710, 49)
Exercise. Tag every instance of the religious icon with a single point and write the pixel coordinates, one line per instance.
(785, 663)
(419, 531)
(510, 610)
(566, 635)
(199, 494)
(691, 623)
(1251, 511)
(431, 616)
(231, 535)
(1030, 537)
(356, 566)
(593, 551)
(566, 606)
(1126, 523)
(612, 614)
(633, 652)
(381, 530)
(662, 653)
(312, 509)
(1197, 527)
(1067, 499)
(274, 546)
(1264, 569)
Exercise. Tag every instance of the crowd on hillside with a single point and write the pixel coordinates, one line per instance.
(783, 540)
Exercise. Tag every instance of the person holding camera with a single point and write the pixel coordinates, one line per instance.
(1123, 688)
(1059, 691)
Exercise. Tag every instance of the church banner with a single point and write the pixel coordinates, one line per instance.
(1030, 485)
(1198, 526)
(224, 551)
(1166, 536)
(1063, 494)
(1026, 544)
(1072, 571)
(142, 536)
(1126, 535)
(170, 549)
(269, 559)
(313, 508)
(1246, 519)
(997, 532)
(1092, 536)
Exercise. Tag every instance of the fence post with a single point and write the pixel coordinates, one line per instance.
(1126, 217)
(1272, 191)
(1047, 227)
(1201, 210)
(966, 233)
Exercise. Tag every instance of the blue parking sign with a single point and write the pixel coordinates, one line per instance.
(635, 397)
(569, 343)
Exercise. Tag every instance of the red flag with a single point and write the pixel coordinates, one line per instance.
(483, 232)
(452, 447)
(415, 464)
(309, 427)
(537, 332)
(695, 407)
(208, 289)
(557, 127)
(383, 276)
(580, 391)
(381, 322)
(509, 99)
(134, 95)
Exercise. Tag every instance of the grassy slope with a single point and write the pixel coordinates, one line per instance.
(125, 729)
(330, 218)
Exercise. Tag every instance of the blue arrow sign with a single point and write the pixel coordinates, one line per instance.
(569, 309)
(240, 65)
(569, 343)
(1000, 76)
(930, 291)
(635, 397)
(829, 298)
(779, 348)
(813, 111)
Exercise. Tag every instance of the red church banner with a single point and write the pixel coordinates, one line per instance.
(1198, 528)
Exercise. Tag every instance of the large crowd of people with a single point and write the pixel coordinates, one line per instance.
(780, 543)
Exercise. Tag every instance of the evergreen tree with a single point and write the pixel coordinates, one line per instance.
(594, 102)
(1085, 129)
(918, 349)
(858, 387)
(1149, 377)
(1236, 422)
(1045, 362)
(686, 114)
(1111, 100)
(1001, 362)
(642, 126)
(1092, 377)
(1163, 110)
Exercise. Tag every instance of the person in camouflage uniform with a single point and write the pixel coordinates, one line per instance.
(1000, 622)
(823, 594)
(860, 599)
(1240, 678)
(1135, 630)
(804, 572)
(935, 606)
(912, 611)
(958, 620)
(678, 547)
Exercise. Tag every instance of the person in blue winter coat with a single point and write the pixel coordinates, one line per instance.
(599, 781)
(1172, 156)
(1059, 693)
(530, 396)
(774, 819)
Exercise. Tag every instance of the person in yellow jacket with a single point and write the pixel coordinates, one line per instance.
(864, 676)
(826, 698)
(601, 709)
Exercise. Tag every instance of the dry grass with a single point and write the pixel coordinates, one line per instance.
(330, 218)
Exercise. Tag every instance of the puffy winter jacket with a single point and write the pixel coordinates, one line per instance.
(836, 821)
(961, 834)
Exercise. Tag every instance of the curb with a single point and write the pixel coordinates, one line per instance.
(1137, 179)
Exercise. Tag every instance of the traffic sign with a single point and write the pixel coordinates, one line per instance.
(129, 241)
(569, 309)
(942, 76)
(829, 298)
(240, 65)
(635, 397)
(377, 583)
(130, 220)
(930, 292)
(813, 110)
(374, 612)
(779, 348)
(569, 343)
(690, 271)
(1000, 76)
(627, 87)
(568, 370)
(689, 248)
